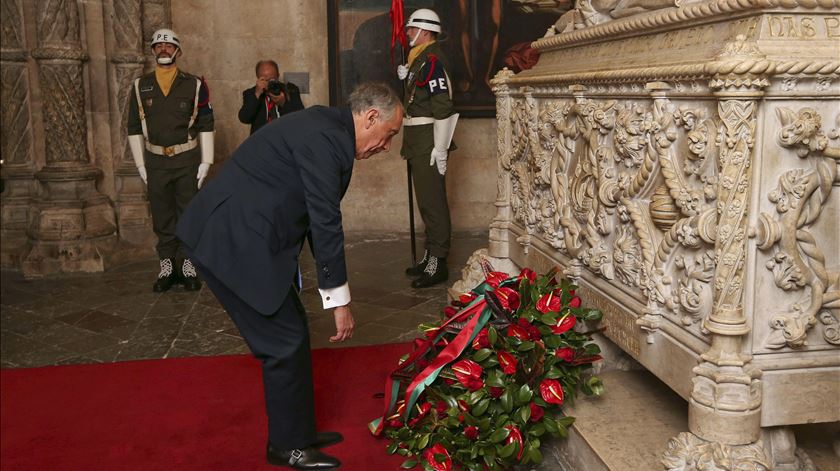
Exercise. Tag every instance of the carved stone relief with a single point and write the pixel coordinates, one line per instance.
(798, 262)
(626, 189)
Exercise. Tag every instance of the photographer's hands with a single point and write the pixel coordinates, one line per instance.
(259, 88)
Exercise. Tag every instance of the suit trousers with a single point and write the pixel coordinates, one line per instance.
(430, 188)
(281, 342)
(170, 190)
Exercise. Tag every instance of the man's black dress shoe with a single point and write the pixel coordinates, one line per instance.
(306, 458)
(325, 439)
(167, 276)
(189, 277)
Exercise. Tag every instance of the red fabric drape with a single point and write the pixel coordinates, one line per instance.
(397, 26)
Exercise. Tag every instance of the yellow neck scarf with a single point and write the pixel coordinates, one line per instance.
(165, 78)
(416, 51)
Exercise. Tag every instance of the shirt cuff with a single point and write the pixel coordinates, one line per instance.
(335, 297)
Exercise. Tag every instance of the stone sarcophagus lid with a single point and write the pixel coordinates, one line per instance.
(681, 162)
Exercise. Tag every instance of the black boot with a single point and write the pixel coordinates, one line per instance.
(434, 273)
(306, 458)
(167, 276)
(417, 270)
(189, 277)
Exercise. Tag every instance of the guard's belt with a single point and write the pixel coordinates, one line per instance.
(171, 151)
(418, 120)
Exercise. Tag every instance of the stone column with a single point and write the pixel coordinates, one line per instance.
(18, 166)
(724, 413)
(157, 14)
(74, 226)
(498, 240)
(133, 216)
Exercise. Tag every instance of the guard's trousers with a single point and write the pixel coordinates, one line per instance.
(429, 187)
(170, 190)
(281, 342)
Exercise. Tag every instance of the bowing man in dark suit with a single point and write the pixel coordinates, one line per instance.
(244, 232)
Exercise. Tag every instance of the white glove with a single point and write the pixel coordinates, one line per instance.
(439, 157)
(142, 171)
(203, 168)
(402, 71)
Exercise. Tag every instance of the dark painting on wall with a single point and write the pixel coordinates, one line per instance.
(480, 37)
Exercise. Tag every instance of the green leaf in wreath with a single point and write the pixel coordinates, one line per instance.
(392, 448)
(507, 450)
(481, 407)
(595, 385)
(562, 431)
(550, 424)
(506, 399)
(481, 355)
(409, 463)
(524, 394)
(537, 430)
(526, 346)
(566, 421)
(499, 435)
(424, 441)
(523, 414)
(494, 379)
(492, 335)
(549, 319)
(593, 315)
(535, 455)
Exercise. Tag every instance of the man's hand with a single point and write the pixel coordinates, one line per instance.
(402, 71)
(203, 168)
(439, 157)
(260, 87)
(278, 100)
(343, 324)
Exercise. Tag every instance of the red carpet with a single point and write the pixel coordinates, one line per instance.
(193, 413)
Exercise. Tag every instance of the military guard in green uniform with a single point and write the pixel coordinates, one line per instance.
(428, 126)
(170, 133)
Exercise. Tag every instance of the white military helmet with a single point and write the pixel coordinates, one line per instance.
(165, 36)
(424, 19)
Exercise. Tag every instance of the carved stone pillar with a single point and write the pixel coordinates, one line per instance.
(157, 14)
(498, 240)
(74, 225)
(18, 160)
(133, 216)
(724, 413)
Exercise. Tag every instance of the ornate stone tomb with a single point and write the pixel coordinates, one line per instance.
(681, 162)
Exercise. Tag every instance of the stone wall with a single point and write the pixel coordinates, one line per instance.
(223, 41)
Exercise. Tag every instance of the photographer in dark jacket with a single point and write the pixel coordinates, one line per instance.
(269, 98)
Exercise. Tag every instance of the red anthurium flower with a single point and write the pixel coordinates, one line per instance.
(468, 373)
(518, 331)
(481, 340)
(549, 303)
(438, 449)
(466, 298)
(516, 437)
(507, 361)
(528, 273)
(551, 391)
(431, 333)
(567, 354)
(564, 324)
(494, 278)
(441, 408)
(509, 298)
(424, 411)
(418, 342)
(495, 392)
(463, 406)
(574, 302)
(471, 432)
(533, 331)
(537, 412)
(395, 423)
(450, 311)
(571, 292)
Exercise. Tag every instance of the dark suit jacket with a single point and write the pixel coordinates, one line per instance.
(248, 224)
(253, 108)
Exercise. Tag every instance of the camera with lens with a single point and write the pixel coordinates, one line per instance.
(276, 87)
